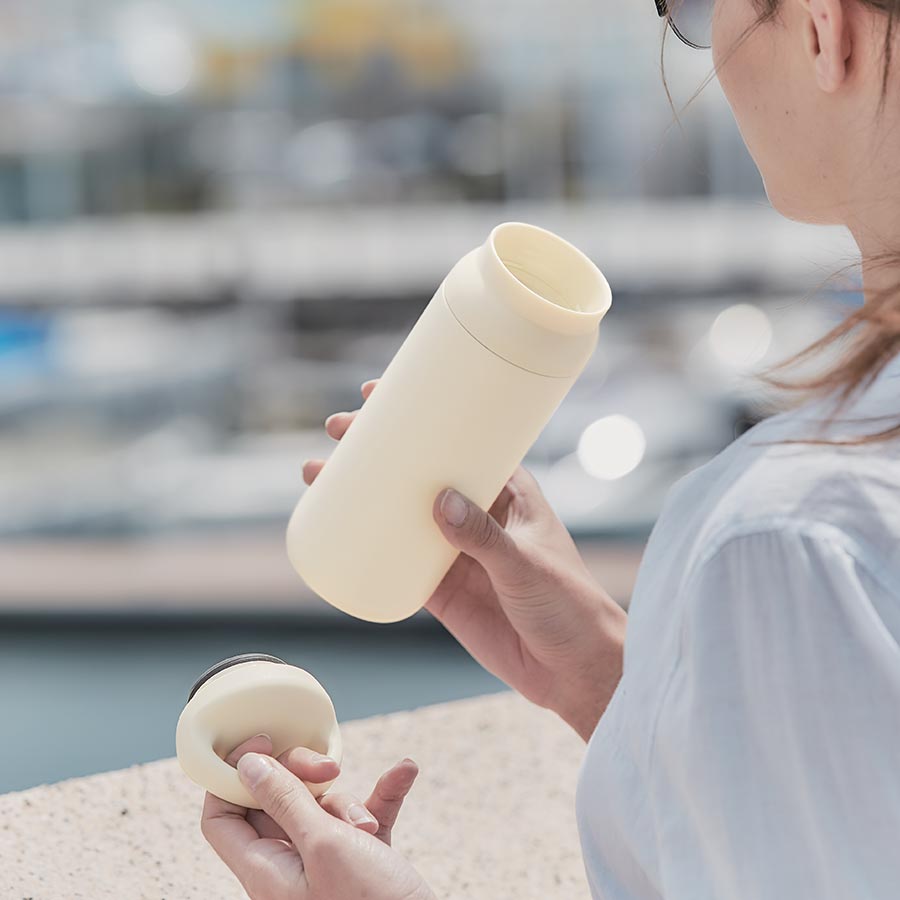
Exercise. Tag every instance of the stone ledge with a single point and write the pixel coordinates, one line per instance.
(491, 815)
(211, 574)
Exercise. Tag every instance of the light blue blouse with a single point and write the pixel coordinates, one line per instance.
(752, 748)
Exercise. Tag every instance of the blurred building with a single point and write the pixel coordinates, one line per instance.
(118, 107)
(182, 185)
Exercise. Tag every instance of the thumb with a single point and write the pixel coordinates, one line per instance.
(282, 795)
(478, 534)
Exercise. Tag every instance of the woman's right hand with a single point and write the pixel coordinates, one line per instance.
(520, 598)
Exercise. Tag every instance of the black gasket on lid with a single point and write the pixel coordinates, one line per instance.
(227, 663)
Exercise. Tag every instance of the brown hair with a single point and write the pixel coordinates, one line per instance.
(877, 321)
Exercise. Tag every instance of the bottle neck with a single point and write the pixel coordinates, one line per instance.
(513, 326)
(544, 278)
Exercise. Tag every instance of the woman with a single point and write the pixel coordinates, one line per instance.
(751, 719)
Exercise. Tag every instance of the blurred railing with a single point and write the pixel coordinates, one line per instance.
(684, 247)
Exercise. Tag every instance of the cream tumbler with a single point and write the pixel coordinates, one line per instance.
(477, 378)
(243, 696)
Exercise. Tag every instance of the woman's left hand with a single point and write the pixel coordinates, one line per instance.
(300, 848)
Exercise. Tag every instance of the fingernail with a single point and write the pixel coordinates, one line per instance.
(358, 814)
(253, 767)
(268, 737)
(322, 758)
(454, 508)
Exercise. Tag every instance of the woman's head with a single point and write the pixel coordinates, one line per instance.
(806, 82)
(813, 93)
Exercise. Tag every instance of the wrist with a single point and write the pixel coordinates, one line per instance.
(588, 687)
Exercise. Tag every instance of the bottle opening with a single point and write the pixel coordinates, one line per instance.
(551, 267)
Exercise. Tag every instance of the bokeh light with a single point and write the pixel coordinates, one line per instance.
(740, 336)
(611, 447)
(156, 50)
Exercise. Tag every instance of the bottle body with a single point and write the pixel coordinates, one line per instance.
(448, 411)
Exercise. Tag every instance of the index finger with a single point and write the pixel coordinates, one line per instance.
(309, 766)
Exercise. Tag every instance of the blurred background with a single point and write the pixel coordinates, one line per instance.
(219, 217)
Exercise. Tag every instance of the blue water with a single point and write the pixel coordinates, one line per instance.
(116, 689)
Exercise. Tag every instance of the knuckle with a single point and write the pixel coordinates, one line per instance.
(485, 535)
(391, 793)
(283, 803)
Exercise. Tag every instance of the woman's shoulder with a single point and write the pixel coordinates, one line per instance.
(807, 532)
(771, 584)
(768, 484)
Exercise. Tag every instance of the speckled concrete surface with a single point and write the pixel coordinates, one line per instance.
(491, 815)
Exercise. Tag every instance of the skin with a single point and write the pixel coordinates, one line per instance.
(299, 848)
(519, 596)
(804, 90)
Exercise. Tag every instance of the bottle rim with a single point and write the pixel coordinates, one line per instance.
(579, 294)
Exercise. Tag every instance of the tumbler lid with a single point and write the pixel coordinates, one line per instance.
(227, 663)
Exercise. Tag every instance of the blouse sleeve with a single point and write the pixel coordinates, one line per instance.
(780, 732)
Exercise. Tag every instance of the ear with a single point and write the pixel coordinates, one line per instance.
(827, 40)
